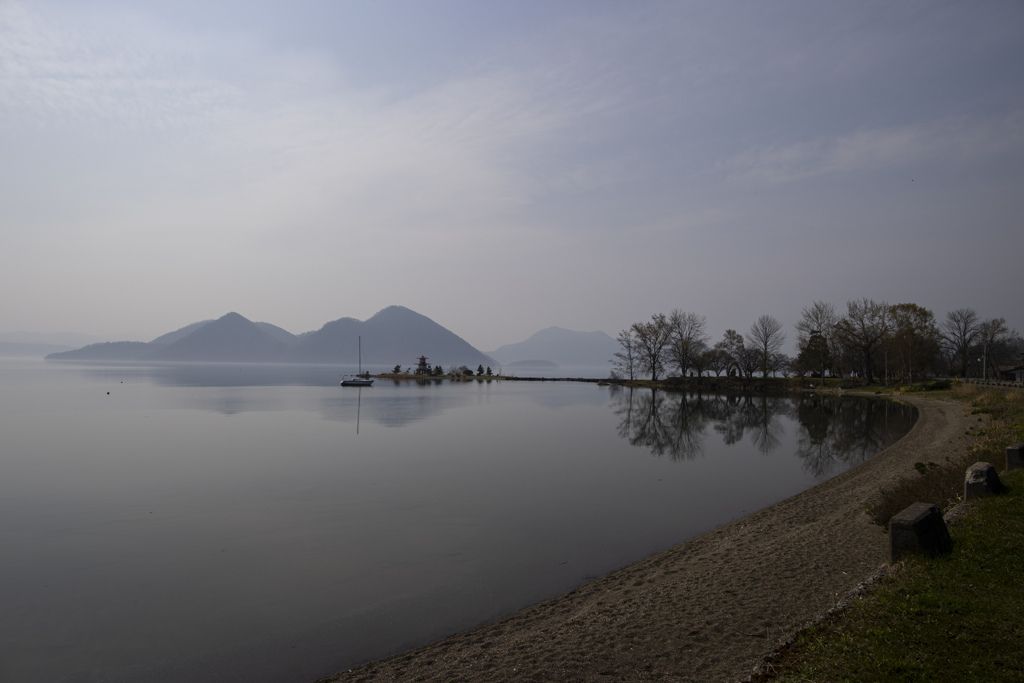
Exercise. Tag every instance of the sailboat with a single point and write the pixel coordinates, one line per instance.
(358, 380)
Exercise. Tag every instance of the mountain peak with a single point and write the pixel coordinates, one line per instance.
(396, 312)
(232, 337)
(395, 335)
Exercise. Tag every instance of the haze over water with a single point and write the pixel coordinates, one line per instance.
(262, 523)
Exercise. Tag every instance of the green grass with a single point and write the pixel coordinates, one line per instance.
(950, 618)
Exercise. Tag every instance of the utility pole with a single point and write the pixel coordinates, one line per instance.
(984, 361)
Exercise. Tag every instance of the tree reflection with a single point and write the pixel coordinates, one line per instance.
(664, 422)
(832, 433)
(758, 415)
(838, 433)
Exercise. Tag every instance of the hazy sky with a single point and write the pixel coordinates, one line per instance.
(505, 167)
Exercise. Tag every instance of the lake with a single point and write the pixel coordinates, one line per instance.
(261, 523)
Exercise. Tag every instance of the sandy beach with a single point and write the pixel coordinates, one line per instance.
(708, 609)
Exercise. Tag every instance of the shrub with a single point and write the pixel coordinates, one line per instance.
(938, 484)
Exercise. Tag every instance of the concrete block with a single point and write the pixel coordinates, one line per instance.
(1014, 456)
(981, 480)
(918, 529)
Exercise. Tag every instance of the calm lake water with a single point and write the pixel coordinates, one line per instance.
(261, 523)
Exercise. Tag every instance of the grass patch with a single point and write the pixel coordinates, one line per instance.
(942, 483)
(949, 618)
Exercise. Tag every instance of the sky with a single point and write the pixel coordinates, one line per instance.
(505, 167)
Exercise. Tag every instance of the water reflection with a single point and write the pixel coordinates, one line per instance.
(216, 374)
(832, 433)
(271, 543)
(836, 434)
(665, 423)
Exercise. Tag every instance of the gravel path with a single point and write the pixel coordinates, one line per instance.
(706, 610)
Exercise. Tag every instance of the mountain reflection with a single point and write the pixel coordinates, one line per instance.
(832, 433)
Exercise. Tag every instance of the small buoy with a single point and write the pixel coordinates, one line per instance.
(108, 393)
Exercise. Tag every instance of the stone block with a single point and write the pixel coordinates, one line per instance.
(1014, 456)
(981, 480)
(918, 529)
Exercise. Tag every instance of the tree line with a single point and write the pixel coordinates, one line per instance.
(871, 339)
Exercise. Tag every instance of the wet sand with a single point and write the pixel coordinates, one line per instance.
(709, 609)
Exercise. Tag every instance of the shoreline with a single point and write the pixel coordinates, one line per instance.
(708, 609)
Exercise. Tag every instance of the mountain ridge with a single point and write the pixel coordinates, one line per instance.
(394, 335)
(562, 347)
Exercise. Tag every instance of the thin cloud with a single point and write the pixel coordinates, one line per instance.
(131, 76)
(947, 141)
(263, 163)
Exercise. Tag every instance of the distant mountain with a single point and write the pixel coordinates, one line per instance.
(229, 338)
(106, 351)
(561, 346)
(395, 335)
(532, 365)
(29, 349)
(336, 341)
(171, 337)
(278, 333)
(69, 340)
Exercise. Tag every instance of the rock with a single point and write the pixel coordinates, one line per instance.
(1014, 456)
(981, 480)
(919, 528)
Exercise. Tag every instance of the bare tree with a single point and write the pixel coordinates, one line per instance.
(914, 341)
(627, 360)
(652, 338)
(717, 360)
(701, 359)
(995, 343)
(959, 330)
(748, 360)
(863, 330)
(780, 362)
(732, 347)
(688, 338)
(816, 333)
(819, 317)
(766, 337)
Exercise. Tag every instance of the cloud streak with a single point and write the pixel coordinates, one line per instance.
(948, 141)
